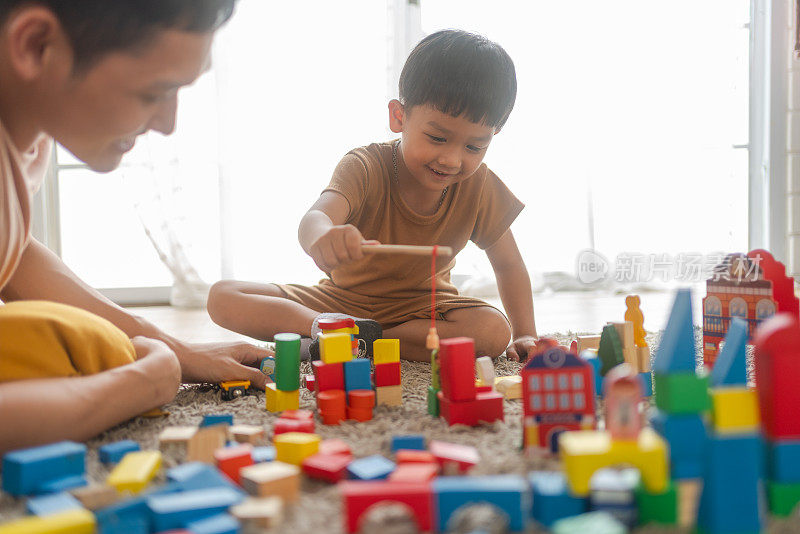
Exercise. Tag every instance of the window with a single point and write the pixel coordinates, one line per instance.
(536, 402)
(549, 382)
(550, 401)
(533, 382)
(577, 381)
(563, 381)
(578, 400)
(563, 401)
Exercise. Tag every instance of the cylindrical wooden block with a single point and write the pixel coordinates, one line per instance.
(332, 400)
(457, 368)
(361, 398)
(287, 361)
(359, 414)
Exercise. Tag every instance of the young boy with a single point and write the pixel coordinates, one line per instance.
(428, 188)
(94, 75)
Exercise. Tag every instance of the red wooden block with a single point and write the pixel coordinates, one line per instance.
(457, 368)
(483, 389)
(329, 467)
(485, 408)
(359, 496)
(403, 456)
(300, 415)
(387, 374)
(292, 425)
(334, 446)
(361, 398)
(309, 382)
(332, 406)
(465, 457)
(411, 472)
(359, 414)
(335, 324)
(230, 460)
(327, 375)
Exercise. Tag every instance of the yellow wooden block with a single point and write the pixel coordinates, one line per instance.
(509, 386)
(386, 351)
(279, 401)
(335, 348)
(583, 452)
(70, 522)
(352, 331)
(272, 478)
(735, 410)
(135, 471)
(389, 395)
(294, 447)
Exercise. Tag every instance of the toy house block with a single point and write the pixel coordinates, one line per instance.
(374, 467)
(205, 442)
(386, 351)
(52, 504)
(782, 285)
(112, 453)
(263, 454)
(327, 375)
(293, 447)
(484, 366)
(686, 435)
(589, 522)
(335, 348)
(273, 478)
(278, 401)
(329, 467)
(360, 496)
(309, 382)
(782, 497)
(357, 374)
(211, 419)
(661, 508)
(587, 342)
(135, 471)
(732, 498)
(389, 395)
(411, 456)
(334, 446)
(730, 368)
(452, 456)
(408, 442)
(95, 496)
(625, 332)
(197, 475)
(456, 368)
(175, 510)
(676, 352)
(682, 392)
(259, 513)
(332, 406)
(509, 493)
(783, 461)
(387, 374)
(485, 408)
(218, 524)
(251, 434)
(231, 459)
(287, 361)
(551, 498)
(643, 359)
(26, 471)
(610, 350)
(646, 379)
(509, 387)
(70, 521)
(283, 425)
(433, 401)
(734, 410)
(176, 434)
(414, 472)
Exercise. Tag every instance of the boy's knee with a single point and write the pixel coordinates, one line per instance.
(494, 335)
(218, 297)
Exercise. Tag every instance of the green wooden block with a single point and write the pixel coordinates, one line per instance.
(610, 350)
(782, 497)
(433, 401)
(594, 522)
(435, 369)
(682, 393)
(659, 508)
(287, 362)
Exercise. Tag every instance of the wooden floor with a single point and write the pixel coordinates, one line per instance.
(555, 312)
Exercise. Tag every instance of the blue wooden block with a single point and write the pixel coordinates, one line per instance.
(676, 352)
(415, 442)
(218, 524)
(647, 383)
(130, 516)
(198, 475)
(263, 454)
(509, 493)
(51, 504)
(374, 467)
(112, 453)
(551, 498)
(596, 364)
(730, 368)
(783, 461)
(62, 484)
(733, 499)
(686, 434)
(210, 419)
(25, 471)
(176, 510)
(357, 374)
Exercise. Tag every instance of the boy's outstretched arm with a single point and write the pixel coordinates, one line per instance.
(41, 275)
(514, 285)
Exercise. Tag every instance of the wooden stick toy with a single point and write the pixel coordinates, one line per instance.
(416, 250)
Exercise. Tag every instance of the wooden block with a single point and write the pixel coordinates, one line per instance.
(135, 471)
(688, 499)
(485, 368)
(631, 357)
(335, 348)
(263, 513)
(509, 386)
(389, 395)
(177, 434)
(588, 342)
(643, 358)
(95, 496)
(205, 442)
(386, 351)
(77, 521)
(625, 331)
(247, 433)
(294, 447)
(272, 478)
(279, 401)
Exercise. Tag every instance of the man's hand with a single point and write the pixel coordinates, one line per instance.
(521, 348)
(218, 362)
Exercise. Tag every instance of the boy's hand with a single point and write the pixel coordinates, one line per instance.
(218, 362)
(521, 348)
(338, 246)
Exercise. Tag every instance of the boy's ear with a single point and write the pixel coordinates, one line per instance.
(397, 116)
(36, 42)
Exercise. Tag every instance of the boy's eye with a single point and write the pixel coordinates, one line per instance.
(437, 139)
(473, 148)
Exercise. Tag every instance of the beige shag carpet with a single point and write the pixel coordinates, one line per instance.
(319, 509)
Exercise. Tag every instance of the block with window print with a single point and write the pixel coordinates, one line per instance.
(557, 395)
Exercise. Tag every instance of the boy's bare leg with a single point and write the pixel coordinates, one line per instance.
(487, 326)
(257, 310)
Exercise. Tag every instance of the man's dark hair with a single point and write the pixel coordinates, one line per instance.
(97, 27)
(458, 72)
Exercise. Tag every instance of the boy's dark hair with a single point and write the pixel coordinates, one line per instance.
(97, 27)
(460, 72)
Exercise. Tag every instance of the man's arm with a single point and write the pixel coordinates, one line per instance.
(42, 275)
(514, 285)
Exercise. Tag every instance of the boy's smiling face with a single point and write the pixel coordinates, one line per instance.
(438, 149)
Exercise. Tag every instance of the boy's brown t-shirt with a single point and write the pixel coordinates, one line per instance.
(396, 287)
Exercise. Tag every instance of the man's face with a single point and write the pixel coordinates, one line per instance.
(97, 114)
